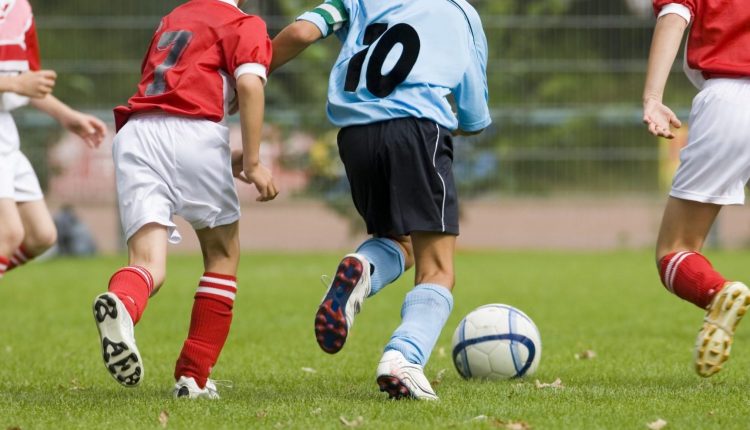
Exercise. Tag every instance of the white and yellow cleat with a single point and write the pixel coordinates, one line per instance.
(715, 338)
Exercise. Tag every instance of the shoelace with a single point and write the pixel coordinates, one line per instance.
(223, 383)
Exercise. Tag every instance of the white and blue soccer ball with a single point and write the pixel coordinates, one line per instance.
(496, 342)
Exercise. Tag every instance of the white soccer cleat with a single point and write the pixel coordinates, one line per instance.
(714, 340)
(186, 387)
(400, 379)
(350, 287)
(120, 354)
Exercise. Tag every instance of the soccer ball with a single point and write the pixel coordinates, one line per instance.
(496, 342)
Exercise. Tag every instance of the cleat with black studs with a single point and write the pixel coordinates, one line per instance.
(119, 352)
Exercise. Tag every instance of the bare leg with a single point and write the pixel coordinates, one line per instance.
(684, 226)
(147, 248)
(11, 228)
(406, 247)
(212, 310)
(690, 276)
(433, 254)
(39, 227)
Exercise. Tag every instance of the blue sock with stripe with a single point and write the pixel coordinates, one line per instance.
(423, 315)
(386, 257)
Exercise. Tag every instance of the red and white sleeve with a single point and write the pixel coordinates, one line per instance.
(32, 48)
(684, 8)
(247, 48)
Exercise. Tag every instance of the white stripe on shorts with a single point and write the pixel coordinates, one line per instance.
(434, 154)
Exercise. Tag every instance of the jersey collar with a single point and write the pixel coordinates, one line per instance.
(231, 2)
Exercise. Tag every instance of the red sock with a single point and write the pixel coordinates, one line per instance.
(4, 263)
(19, 258)
(209, 327)
(690, 276)
(133, 285)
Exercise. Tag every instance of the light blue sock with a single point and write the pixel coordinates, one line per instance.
(386, 257)
(423, 315)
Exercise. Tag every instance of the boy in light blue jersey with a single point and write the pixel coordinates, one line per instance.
(388, 92)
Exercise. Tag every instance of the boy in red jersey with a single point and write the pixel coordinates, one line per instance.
(26, 227)
(172, 156)
(715, 165)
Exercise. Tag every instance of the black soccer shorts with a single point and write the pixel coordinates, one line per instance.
(401, 176)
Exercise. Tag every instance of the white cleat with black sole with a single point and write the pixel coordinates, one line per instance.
(714, 342)
(187, 388)
(402, 379)
(120, 354)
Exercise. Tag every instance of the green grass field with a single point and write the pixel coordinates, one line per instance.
(51, 374)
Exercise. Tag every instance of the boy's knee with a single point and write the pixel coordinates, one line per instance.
(11, 238)
(41, 240)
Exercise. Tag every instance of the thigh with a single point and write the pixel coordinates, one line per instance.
(7, 178)
(144, 171)
(25, 183)
(147, 248)
(684, 226)
(221, 248)
(205, 188)
(11, 227)
(39, 228)
(715, 165)
(361, 151)
(424, 195)
(433, 255)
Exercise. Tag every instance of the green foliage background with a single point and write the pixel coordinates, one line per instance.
(565, 81)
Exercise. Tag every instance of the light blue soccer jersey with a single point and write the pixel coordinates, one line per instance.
(402, 58)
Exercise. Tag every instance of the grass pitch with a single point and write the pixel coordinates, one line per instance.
(51, 373)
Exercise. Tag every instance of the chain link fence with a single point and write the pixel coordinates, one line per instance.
(565, 85)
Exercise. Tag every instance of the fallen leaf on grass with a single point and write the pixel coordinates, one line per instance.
(163, 419)
(511, 425)
(556, 384)
(441, 352)
(261, 413)
(585, 355)
(439, 377)
(657, 425)
(309, 370)
(75, 385)
(356, 422)
(316, 411)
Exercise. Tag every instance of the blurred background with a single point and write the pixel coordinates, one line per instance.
(567, 163)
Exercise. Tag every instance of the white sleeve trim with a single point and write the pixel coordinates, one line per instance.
(676, 9)
(256, 69)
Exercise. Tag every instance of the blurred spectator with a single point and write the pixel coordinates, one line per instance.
(73, 237)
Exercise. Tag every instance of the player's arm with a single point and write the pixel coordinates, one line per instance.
(326, 19)
(668, 34)
(30, 84)
(472, 93)
(90, 129)
(292, 40)
(251, 97)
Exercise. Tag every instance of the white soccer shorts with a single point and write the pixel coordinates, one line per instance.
(167, 165)
(17, 178)
(715, 164)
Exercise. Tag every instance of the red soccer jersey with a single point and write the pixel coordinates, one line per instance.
(19, 48)
(719, 41)
(198, 51)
